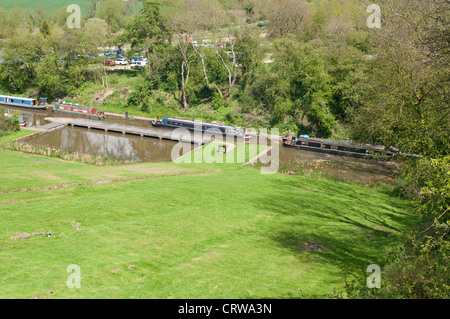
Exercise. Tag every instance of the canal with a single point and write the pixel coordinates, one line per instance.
(116, 146)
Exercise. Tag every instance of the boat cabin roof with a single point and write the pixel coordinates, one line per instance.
(193, 122)
(17, 98)
(340, 143)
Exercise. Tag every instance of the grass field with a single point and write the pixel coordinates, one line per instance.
(47, 5)
(226, 232)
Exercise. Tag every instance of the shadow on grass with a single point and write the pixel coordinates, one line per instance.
(343, 226)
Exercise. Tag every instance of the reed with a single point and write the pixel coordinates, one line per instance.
(67, 156)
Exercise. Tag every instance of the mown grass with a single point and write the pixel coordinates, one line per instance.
(233, 233)
(20, 170)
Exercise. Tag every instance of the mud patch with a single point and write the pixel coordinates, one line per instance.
(20, 236)
(310, 246)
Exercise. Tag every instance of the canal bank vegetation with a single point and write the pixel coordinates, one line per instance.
(312, 67)
(8, 124)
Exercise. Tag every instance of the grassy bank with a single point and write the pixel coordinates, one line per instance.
(229, 233)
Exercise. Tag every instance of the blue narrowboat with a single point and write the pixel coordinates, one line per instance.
(21, 102)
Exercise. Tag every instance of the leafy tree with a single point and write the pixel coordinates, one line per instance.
(113, 12)
(8, 23)
(148, 29)
(296, 87)
(21, 55)
(45, 29)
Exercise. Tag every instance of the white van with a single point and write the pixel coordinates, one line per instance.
(121, 61)
(138, 64)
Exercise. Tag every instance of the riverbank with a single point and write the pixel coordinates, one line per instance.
(191, 231)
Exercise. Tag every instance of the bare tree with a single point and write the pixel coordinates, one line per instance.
(93, 7)
(288, 17)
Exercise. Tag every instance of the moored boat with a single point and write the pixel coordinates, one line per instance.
(333, 147)
(173, 123)
(22, 102)
(79, 110)
(22, 122)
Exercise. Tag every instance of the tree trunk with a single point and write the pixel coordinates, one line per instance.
(183, 88)
(202, 59)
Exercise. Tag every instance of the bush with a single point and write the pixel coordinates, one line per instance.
(142, 88)
(421, 266)
(8, 124)
(218, 102)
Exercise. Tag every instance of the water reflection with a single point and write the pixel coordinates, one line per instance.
(113, 146)
(337, 166)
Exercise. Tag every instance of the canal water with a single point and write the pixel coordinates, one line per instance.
(364, 170)
(113, 146)
(116, 146)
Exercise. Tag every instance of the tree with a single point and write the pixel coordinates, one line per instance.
(148, 30)
(45, 29)
(407, 106)
(93, 7)
(8, 23)
(21, 55)
(288, 17)
(296, 89)
(113, 12)
(409, 102)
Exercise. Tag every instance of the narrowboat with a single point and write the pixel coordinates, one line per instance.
(78, 109)
(22, 122)
(22, 102)
(365, 151)
(173, 122)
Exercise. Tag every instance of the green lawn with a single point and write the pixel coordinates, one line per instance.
(47, 5)
(228, 233)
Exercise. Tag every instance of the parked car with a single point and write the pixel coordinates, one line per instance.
(121, 61)
(109, 62)
(221, 45)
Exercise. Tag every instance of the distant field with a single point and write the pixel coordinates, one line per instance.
(48, 5)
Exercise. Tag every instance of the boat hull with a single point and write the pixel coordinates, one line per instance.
(79, 110)
(30, 107)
